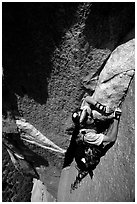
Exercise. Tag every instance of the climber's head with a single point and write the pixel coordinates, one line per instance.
(82, 117)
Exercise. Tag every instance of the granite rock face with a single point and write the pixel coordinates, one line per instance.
(39, 193)
(48, 49)
(114, 177)
(116, 76)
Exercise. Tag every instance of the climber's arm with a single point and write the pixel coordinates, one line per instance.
(112, 136)
(83, 115)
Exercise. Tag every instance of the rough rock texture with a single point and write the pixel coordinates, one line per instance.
(48, 49)
(116, 76)
(114, 177)
(15, 186)
(40, 193)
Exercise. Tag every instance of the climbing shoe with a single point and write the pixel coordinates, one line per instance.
(78, 179)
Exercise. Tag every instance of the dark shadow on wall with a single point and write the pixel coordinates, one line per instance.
(15, 186)
(13, 141)
(30, 33)
(112, 22)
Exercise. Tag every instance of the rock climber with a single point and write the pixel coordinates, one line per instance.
(90, 137)
(89, 105)
(91, 142)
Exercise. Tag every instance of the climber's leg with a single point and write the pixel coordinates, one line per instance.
(79, 154)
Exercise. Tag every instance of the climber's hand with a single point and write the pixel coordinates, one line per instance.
(109, 111)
